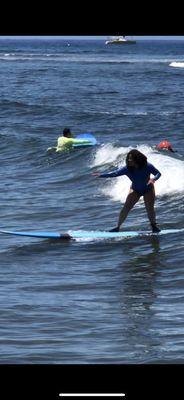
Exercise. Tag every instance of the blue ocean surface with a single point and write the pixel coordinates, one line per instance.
(89, 301)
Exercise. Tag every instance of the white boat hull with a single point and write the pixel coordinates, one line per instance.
(120, 42)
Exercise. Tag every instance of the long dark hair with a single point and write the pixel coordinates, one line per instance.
(139, 158)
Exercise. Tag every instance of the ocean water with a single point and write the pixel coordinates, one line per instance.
(89, 302)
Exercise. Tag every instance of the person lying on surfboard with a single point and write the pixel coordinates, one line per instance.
(66, 141)
(138, 171)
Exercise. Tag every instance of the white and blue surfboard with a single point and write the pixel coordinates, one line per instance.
(86, 136)
(80, 234)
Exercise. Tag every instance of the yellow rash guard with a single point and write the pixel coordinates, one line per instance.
(65, 143)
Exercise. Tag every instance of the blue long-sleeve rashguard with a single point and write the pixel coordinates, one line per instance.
(138, 176)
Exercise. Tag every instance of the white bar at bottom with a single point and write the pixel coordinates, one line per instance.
(92, 394)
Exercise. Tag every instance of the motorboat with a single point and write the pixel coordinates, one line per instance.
(120, 40)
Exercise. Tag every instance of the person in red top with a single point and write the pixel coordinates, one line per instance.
(165, 145)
